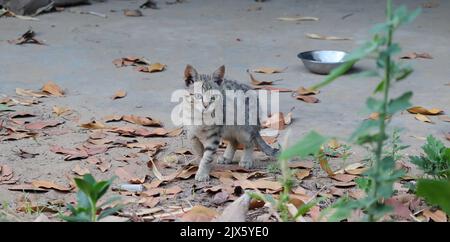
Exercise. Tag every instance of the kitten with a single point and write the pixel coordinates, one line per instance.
(207, 98)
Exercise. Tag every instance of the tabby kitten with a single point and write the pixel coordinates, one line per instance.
(207, 98)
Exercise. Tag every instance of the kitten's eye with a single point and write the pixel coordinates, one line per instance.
(198, 96)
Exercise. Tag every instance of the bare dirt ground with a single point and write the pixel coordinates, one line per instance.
(242, 35)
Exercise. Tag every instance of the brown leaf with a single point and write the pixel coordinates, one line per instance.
(436, 216)
(132, 13)
(97, 134)
(344, 184)
(151, 202)
(155, 67)
(60, 110)
(424, 111)
(343, 177)
(416, 55)
(423, 118)
(275, 121)
(20, 115)
(255, 82)
(119, 94)
(6, 173)
(53, 89)
(307, 99)
(131, 61)
(30, 93)
(301, 164)
(80, 171)
(272, 89)
(306, 91)
(260, 184)
(268, 70)
(132, 132)
(27, 37)
(324, 37)
(400, 209)
(50, 185)
(125, 175)
(175, 132)
(300, 174)
(199, 214)
(93, 125)
(144, 121)
(188, 172)
(220, 198)
(71, 154)
(104, 166)
(25, 154)
(447, 136)
(148, 146)
(43, 124)
(325, 166)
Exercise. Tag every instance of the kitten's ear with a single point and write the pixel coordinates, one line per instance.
(190, 74)
(219, 74)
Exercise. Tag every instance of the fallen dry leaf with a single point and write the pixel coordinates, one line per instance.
(125, 175)
(132, 132)
(268, 70)
(324, 37)
(53, 89)
(27, 37)
(306, 91)
(93, 125)
(71, 154)
(424, 111)
(306, 18)
(132, 13)
(43, 124)
(50, 185)
(20, 115)
(300, 174)
(422, 118)
(275, 121)
(416, 55)
(199, 213)
(301, 164)
(323, 161)
(175, 132)
(260, 184)
(148, 146)
(119, 94)
(30, 93)
(104, 166)
(307, 99)
(343, 177)
(256, 82)
(155, 67)
(131, 61)
(26, 188)
(344, 184)
(436, 216)
(80, 171)
(60, 110)
(144, 121)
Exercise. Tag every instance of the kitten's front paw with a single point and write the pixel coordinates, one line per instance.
(201, 177)
(223, 160)
(247, 164)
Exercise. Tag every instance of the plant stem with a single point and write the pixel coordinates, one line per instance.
(383, 113)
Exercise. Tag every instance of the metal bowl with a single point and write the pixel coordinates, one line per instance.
(322, 61)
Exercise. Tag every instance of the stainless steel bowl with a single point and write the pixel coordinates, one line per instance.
(322, 61)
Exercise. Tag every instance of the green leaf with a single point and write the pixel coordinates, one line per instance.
(309, 145)
(109, 211)
(400, 103)
(365, 128)
(335, 73)
(436, 192)
(403, 73)
(369, 73)
(302, 210)
(101, 188)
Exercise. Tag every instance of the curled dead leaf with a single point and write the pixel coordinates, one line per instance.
(423, 118)
(53, 89)
(307, 99)
(268, 70)
(416, 55)
(50, 185)
(306, 91)
(119, 94)
(93, 125)
(424, 111)
(58, 110)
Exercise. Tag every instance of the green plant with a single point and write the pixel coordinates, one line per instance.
(436, 160)
(379, 179)
(281, 204)
(436, 192)
(89, 193)
(273, 168)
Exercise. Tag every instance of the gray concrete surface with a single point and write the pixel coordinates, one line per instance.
(204, 33)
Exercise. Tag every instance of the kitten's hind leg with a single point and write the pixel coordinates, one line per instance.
(209, 155)
(197, 147)
(228, 154)
(247, 157)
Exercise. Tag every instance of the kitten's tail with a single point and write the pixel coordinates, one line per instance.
(267, 149)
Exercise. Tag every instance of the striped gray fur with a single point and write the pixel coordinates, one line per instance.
(205, 138)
